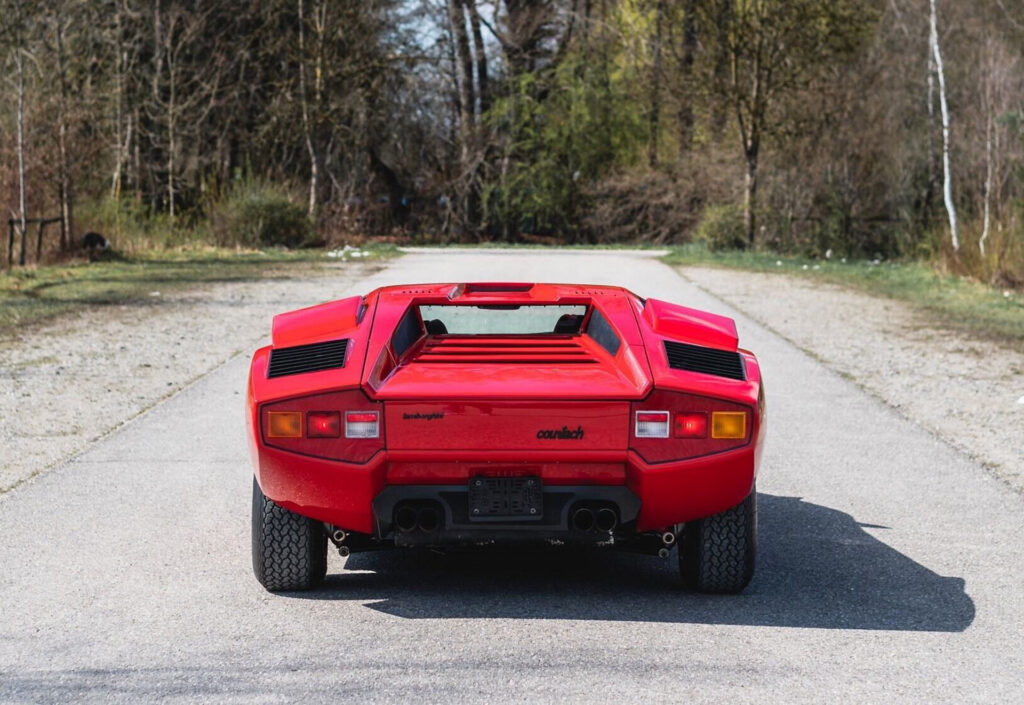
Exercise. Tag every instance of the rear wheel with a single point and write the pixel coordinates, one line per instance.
(289, 551)
(716, 554)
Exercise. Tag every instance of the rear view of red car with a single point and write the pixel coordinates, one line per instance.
(472, 414)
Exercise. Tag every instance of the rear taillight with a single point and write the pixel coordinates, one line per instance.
(362, 424)
(323, 424)
(652, 424)
(691, 425)
(729, 424)
(342, 426)
(675, 426)
(284, 424)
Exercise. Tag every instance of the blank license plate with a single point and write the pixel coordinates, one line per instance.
(504, 498)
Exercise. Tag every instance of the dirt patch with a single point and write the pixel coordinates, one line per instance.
(967, 391)
(72, 380)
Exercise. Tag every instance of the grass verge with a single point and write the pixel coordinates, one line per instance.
(955, 302)
(31, 295)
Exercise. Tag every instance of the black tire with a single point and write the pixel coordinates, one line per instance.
(289, 551)
(716, 554)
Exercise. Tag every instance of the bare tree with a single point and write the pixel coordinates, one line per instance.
(17, 28)
(654, 100)
(940, 73)
(61, 25)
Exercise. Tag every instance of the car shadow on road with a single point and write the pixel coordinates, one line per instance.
(817, 567)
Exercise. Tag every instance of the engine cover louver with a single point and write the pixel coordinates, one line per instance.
(307, 358)
(709, 361)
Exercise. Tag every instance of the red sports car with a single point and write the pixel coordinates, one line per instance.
(450, 415)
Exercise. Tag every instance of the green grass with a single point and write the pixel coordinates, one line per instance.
(31, 295)
(955, 302)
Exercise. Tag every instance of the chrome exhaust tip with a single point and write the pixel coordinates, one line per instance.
(606, 519)
(583, 519)
(668, 538)
(344, 551)
(339, 535)
(405, 518)
(663, 552)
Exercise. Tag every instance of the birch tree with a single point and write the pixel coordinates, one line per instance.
(940, 75)
(16, 26)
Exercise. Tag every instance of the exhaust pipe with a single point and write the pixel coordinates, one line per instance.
(668, 538)
(606, 519)
(405, 518)
(344, 551)
(662, 552)
(428, 520)
(583, 519)
(339, 535)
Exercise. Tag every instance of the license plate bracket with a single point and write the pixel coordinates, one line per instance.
(505, 499)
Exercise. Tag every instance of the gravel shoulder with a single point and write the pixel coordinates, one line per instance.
(967, 391)
(65, 383)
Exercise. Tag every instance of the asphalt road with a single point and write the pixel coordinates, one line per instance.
(890, 568)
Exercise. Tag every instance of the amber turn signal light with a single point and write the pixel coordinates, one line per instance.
(729, 424)
(284, 424)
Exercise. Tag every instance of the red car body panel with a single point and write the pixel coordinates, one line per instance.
(456, 407)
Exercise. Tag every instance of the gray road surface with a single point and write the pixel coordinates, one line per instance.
(890, 568)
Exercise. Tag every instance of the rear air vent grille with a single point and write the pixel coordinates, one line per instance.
(307, 358)
(709, 361)
(505, 350)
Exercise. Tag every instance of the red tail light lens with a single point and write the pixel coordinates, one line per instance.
(362, 424)
(323, 424)
(691, 425)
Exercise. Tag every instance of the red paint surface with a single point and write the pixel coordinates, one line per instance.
(495, 394)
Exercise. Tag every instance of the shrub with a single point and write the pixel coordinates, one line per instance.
(255, 214)
(721, 228)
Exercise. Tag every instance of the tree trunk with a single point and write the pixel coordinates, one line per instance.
(947, 177)
(467, 100)
(933, 154)
(467, 118)
(687, 59)
(171, 146)
(158, 69)
(66, 198)
(306, 126)
(19, 63)
(989, 129)
(482, 79)
(654, 105)
(115, 181)
(750, 199)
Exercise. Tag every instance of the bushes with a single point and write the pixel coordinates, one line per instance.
(721, 228)
(257, 214)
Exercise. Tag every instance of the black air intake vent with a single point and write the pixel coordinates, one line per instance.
(694, 358)
(307, 358)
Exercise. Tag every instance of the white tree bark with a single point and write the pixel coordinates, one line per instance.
(947, 177)
(19, 62)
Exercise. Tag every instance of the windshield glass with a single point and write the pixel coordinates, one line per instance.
(502, 320)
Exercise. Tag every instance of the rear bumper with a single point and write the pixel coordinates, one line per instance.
(361, 497)
(457, 527)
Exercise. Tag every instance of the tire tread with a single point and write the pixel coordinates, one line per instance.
(289, 551)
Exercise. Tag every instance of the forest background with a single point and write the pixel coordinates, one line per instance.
(885, 130)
